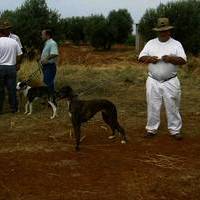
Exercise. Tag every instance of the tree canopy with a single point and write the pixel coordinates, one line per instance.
(100, 31)
(183, 15)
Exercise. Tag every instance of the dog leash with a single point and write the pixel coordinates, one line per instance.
(35, 72)
(102, 82)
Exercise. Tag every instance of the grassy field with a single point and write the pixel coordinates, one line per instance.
(37, 154)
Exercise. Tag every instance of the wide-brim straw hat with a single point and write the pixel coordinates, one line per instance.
(163, 25)
(5, 25)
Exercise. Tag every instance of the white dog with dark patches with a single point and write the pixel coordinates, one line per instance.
(33, 93)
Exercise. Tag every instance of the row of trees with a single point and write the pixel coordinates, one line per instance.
(98, 30)
(29, 19)
(184, 16)
(101, 32)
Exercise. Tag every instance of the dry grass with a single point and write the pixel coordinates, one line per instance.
(26, 71)
(37, 154)
(123, 83)
(193, 65)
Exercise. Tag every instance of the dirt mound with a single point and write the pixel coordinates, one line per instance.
(86, 55)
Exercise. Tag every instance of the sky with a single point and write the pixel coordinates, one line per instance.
(69, 8)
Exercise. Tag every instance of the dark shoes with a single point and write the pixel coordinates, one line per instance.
(149, 135)
(13, 110)
(177, 136)
(10, 111)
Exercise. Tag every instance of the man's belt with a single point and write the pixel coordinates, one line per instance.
(163, 80)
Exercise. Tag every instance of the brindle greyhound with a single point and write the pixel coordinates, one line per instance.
(81, 111)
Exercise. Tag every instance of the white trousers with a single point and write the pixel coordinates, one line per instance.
(168, 92)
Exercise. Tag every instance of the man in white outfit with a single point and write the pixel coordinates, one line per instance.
(163, 56)
(10, 59)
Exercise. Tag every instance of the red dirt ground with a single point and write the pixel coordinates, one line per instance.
(42, 164)
(38, 160)
(86, 55)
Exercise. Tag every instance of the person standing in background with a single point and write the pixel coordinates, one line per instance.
(10, 59)
(49, 59)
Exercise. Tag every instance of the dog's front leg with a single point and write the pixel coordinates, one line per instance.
(54, 109)
(26, 107)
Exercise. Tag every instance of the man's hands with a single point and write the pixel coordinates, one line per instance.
(18, 62)
(17, 67)
(152, 59)
(44, 61)
(149, 59)
(173, 60)
(166, 58)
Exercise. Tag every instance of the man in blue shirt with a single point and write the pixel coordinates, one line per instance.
(49, 59)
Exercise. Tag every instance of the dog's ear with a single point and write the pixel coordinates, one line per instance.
(71, 92)
(68, 91)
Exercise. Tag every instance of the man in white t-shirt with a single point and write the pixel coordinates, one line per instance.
(10, 58)
(16, 37)
(163, 56)
(12, 35)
